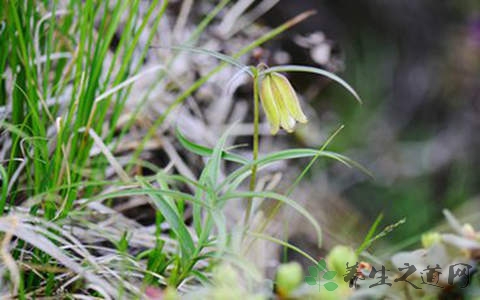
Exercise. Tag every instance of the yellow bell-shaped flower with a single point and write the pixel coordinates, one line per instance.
(280, 102)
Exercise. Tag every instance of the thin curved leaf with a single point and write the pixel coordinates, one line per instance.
(236, 178)
(307, 69)
(281, 243)
(205, 151)
(4, 192)
(218, 55)
(278, 197)
(170, 213)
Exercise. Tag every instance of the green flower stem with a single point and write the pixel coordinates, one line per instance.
(253, 177)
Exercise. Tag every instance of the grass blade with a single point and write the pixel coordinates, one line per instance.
(307, 69)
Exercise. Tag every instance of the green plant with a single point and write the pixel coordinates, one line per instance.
(68, 75)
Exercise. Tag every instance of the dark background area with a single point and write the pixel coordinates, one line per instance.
(416, 65)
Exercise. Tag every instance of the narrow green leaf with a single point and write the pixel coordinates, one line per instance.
(215, 54)
(307, 69)
(236, 178)
(175, 221)
(205, 151)
(281, 243)
(214, 163)
(144, 191)
(3, 194)
(278, 197)
(366, 241)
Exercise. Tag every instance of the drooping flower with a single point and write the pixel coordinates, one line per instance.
(280, 102)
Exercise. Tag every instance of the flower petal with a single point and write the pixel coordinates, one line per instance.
(268, 103)
(286, 119)
(289, 97)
